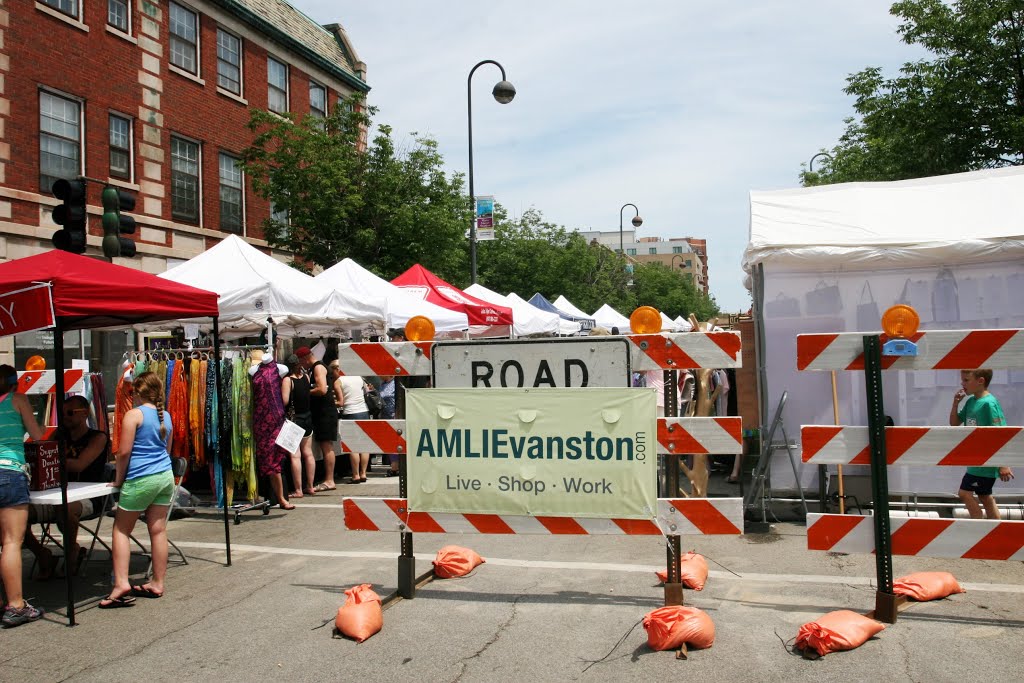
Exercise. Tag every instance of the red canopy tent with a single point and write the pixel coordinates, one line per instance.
(87, 293)
(421, 282)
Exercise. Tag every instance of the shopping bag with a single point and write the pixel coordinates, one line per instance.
(945, 299)
(824, 299)
(290, 436)
(868, 317)
(782, 307)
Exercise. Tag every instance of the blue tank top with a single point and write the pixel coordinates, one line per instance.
(149, 451)
(12, 434)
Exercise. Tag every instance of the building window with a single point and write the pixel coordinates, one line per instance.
(631, 252)
(184, 179)
(229, 62)
(279, 215)
(60, 139)
(120, 147)
(184, 32)
(117, 14)
(652, 250)
(677, 250)
(230, 194)
(689, 263)
(317, 100)
(277, 82)
(68, 7)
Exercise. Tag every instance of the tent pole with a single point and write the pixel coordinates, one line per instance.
(58, 369)
(220, 436)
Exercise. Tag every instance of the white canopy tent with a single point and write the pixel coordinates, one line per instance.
(684, 324)
(349, 277)
(608, 317)
(833, 258)
(255, 288)
(668, 324)
(527, 320)
(566, 328)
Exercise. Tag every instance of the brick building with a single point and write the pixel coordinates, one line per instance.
(152, 96)
(689, 254)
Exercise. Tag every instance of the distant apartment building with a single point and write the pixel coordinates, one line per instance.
(151, 96)
(685, 253)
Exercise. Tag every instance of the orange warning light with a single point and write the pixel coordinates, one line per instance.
(900, 322)
(35, 363)
(419, 328)
(645, 320)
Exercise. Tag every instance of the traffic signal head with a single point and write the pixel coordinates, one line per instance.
(114, 223)
(71, 214)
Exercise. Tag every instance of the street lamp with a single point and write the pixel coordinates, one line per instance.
(637, 222)
(810, 164)
(503, 92)
(673, 262)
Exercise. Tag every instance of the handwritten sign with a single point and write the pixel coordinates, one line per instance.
(25, 310)
(44, 461)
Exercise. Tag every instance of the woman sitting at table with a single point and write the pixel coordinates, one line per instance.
(87, 454)
(147, 483)
(16, 418)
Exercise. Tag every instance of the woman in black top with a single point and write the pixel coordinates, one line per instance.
(295, 393)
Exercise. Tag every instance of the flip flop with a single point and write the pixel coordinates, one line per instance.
(114, 603)
(321, 487)
(287, 507)
(309, 492)
(145, 592)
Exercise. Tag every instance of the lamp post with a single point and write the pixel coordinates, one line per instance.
(673, 262)
(810, 164)
(637, 222)
(503, 92)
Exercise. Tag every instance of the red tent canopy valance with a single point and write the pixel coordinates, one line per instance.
(421, 282)
(89, 293)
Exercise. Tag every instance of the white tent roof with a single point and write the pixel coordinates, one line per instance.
(668, 324)
(608, 317)
(350, 277)
(527, 320)
(962, 217)
(253, 287)
(684, 324)
(565, 327)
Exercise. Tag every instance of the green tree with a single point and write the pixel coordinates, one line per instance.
(962, 110)
(671, 292)
(385, 206)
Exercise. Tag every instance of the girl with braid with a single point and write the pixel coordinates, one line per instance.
(146, 481)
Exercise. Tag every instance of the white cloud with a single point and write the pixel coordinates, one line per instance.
(679, 108)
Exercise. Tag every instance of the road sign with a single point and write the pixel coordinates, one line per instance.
(529, 363)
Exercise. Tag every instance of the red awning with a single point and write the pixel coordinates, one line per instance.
(90, 293)
(424, 284)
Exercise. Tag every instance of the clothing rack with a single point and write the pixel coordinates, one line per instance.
(182, 353)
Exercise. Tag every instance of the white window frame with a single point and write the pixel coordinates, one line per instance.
(321, 114)
(127, 30)
(56, 5)
(271, 88)
(81, 131)
(199, 179)
(171, 37)
(221, 184)
(240, 65)
(130, 148)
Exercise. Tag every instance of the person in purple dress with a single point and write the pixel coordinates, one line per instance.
(268, 417)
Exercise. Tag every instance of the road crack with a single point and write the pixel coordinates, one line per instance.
(464, 662)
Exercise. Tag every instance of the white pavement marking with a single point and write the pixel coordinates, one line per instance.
(598, 566)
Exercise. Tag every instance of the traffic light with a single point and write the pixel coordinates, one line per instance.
(70, 214)
(114, 223)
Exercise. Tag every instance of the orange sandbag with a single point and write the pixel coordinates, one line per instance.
(839, 630)
(926, 585)
(453, 560)
(693, 571)
(361, 615)
(669, 627)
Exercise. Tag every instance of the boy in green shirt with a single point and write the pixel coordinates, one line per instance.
(982, 409)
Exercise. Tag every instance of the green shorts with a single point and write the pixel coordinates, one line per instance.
(153, 489)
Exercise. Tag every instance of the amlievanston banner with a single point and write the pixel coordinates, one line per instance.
(551, 452)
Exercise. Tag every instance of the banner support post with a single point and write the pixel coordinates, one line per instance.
(885, 601)
(406, 558)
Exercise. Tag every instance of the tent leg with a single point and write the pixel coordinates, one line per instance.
(58, 369)
(220, 438)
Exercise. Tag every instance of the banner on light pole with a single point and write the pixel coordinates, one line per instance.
(484, 218)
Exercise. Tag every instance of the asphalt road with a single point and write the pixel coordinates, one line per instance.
(540, 609)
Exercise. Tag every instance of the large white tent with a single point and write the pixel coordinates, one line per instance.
(566, 328)
(351, 278)
(255, 288)
(608, 317)
(833, 258)
(527, 320)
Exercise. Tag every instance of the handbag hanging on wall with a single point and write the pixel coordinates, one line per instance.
(782, 307)
(824, 300)
(868, 316)
(945, 299)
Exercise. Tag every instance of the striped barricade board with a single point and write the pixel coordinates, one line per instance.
(936, 350)
(947, 446)
(676, 517)
(700, 435)
(45, 381)
(973, 539)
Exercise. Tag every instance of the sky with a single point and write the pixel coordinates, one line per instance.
(681, 108)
